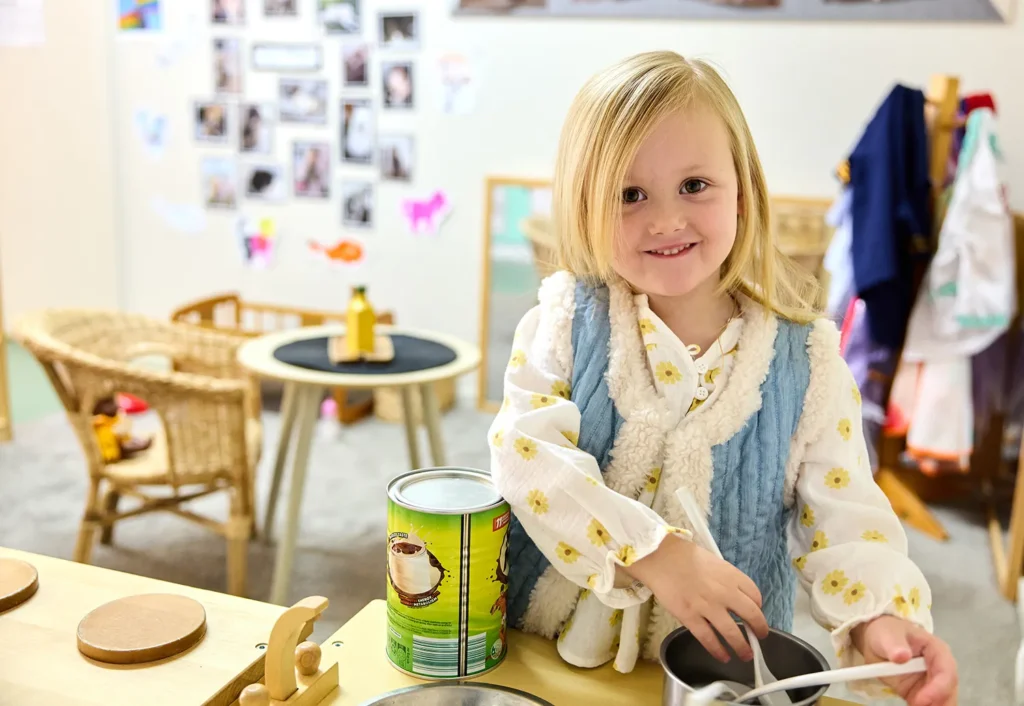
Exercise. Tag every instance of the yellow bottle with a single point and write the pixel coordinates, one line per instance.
(361, 320)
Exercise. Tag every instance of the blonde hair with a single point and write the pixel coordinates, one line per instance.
(608, 121)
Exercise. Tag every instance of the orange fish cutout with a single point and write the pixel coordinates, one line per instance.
(344, 251)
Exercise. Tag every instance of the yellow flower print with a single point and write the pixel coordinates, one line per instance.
(592, 581)
(526, 448)
(626, 554)
(807, 517)
(668, 373)
(567, 553)
(856, 394)
(651, 346)
(845, 429)
(820, 541)
(598, 534)
(652, 480)
(800, 562)
(840, 652)
(592, 481)
(854, 593)
(901, 603)
(504, 404)
(616, 618)
(694, 405)
(675, 530)
(539, 401)
(537, 501)
(647, 326)
(572, 436)
(499, 438)
(915, 598)
(584, 595)
(837, 478)
(834, 583)
(566, 628)
(873, 536)
(517, 360)
(615, 644)
(561, 389)
(710, 375)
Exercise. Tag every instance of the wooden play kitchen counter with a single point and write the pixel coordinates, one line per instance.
(40, 661)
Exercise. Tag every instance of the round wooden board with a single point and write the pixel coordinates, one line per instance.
(142, 628)
(18, 582)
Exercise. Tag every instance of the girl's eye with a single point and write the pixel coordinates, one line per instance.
(632, 195)
(693, 186)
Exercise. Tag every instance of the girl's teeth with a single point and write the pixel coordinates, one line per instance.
(673, 251)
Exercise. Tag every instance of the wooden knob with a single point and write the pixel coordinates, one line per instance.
(254, 695)
(307, 658)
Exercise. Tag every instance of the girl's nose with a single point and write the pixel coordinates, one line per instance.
(667, 219)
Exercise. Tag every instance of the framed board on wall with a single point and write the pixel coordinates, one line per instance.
(517, 254)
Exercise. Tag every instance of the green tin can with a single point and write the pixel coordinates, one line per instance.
(447, 573)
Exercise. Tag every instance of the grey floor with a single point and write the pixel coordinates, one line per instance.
(340, 551)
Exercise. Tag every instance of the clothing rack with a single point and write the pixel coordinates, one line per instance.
(941, 101)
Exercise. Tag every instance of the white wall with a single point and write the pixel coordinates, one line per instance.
(58, 240)
(807, 90)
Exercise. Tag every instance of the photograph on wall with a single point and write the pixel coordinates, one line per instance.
(227, 65)
(396, 157)
(457, 78)
(397, 77)
(211, 122)
(399, 31)
(814, 10)
(340, 16)
(355, 64)
(265, 182)
(357, 204)
(302, 100)
(255, 129)
(273, 56)
(220, 182)
(139, 15)
(281, 8)
(357, 131)
(227, 12)
(257, 241)
(311, 169)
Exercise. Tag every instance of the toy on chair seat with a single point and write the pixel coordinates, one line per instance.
(113, 432)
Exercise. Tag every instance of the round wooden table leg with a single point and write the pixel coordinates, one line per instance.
(410, 428)
(284, 442)
(308, 406)
(432, 419)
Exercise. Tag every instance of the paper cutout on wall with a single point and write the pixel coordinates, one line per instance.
(425, 217)
(139, 15)
(257, 239)
(343, 252)
(152, 130)
(185, 218)
(458, 79)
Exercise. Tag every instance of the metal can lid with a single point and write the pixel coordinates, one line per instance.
(445, 491)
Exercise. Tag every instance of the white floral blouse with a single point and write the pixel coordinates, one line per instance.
(847, 546)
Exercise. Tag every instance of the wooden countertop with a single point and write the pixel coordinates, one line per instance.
(40, 662)
(532, 665)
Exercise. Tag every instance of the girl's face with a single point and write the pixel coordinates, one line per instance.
(680, 206)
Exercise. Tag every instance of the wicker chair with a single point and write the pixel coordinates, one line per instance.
(209, 438)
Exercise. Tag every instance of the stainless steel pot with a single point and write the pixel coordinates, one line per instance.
(456, 694)
(688, 666)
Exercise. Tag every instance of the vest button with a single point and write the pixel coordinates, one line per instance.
(702, 393)
(702, 367)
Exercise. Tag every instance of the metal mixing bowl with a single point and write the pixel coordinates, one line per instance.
(456, 694)
(688, 666)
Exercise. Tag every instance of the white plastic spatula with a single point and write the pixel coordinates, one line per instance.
(762, 675)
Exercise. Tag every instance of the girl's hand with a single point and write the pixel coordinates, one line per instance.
(893, 639)
(699, 590)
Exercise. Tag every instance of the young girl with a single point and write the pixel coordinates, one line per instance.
(676, 350)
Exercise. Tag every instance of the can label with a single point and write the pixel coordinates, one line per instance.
(447, 578)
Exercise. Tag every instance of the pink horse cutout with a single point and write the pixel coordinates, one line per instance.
(426, 216)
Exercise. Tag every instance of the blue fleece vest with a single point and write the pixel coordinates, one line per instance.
(748, 517)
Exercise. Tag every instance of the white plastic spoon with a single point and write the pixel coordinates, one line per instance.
(762, 675)
(878, 670)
